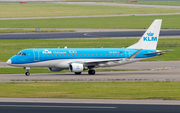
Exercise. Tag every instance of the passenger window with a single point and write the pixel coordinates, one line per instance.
(51, 54)
(101, 54)
(121, 53)
(68, 54)
(76, 54)
(106, 54)
(89, 54)
(109, 54)
(118, 54)
(96, 53)
(84, 54)
(64, 54)
(47, 54)
(80, 54)
(43, 54)
(113, 54)
(56, 54)
(93, 54)
(72, 54)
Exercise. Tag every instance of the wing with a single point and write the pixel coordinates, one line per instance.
(96, 62)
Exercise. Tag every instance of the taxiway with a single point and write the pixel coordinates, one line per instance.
(76, 35)
(17, 105)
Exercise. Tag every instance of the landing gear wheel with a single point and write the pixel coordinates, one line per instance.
(77, 73)
(91, 72)
(27, 73)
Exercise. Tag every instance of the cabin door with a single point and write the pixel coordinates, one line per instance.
(36, 55)
(127, 53)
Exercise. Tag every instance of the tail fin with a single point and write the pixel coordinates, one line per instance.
(150, 38)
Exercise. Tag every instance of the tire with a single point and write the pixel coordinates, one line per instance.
(27, 73)
(77, 73)
(91, 72)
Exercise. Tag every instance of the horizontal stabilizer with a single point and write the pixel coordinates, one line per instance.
(159, 52)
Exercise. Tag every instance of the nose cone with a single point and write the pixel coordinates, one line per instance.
(8, 62)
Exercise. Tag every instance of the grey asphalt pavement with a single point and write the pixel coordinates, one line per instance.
(114, 76)
(95, 101)
(122, 4)
(92, 105)
(85, 16)
(97, 3)
(146, 72)
(21, 107)
(65, 35)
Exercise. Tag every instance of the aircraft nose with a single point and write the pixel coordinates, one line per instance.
(8, 62)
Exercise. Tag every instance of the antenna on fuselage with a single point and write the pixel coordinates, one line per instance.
(58, 47)
(65, 47)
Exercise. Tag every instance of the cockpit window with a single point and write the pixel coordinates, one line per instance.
(19, 54)
(23, 54)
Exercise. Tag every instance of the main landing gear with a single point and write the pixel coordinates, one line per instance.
(77, 73)
(91, 72)
(27, 72)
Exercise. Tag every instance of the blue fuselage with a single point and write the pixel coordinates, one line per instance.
(41, 55)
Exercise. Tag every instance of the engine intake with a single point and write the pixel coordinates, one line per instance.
(76, 67)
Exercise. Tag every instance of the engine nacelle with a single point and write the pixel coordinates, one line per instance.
(76, 67)
(54, 69)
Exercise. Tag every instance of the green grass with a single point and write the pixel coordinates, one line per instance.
(10, 10)
(45, 70)
(21, 70)
(9, 48)
(130, 22)
(27, 31)
(113, 90)
(171, 3)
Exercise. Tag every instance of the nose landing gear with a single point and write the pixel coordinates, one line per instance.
(27, 72)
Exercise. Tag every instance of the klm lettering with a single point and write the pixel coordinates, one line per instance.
(149, 38)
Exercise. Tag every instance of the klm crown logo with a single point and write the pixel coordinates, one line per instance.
(150, 34)
(150, 37)
(77, 67)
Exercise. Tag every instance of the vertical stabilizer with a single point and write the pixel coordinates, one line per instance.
(150, 38)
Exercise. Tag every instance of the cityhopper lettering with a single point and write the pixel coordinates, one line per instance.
(150, 37)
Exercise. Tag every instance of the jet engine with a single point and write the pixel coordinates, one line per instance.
(76, 67)
(54, 69)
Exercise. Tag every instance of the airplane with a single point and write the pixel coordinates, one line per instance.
(80, 59)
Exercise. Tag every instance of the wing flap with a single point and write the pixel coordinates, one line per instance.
(102, 61)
